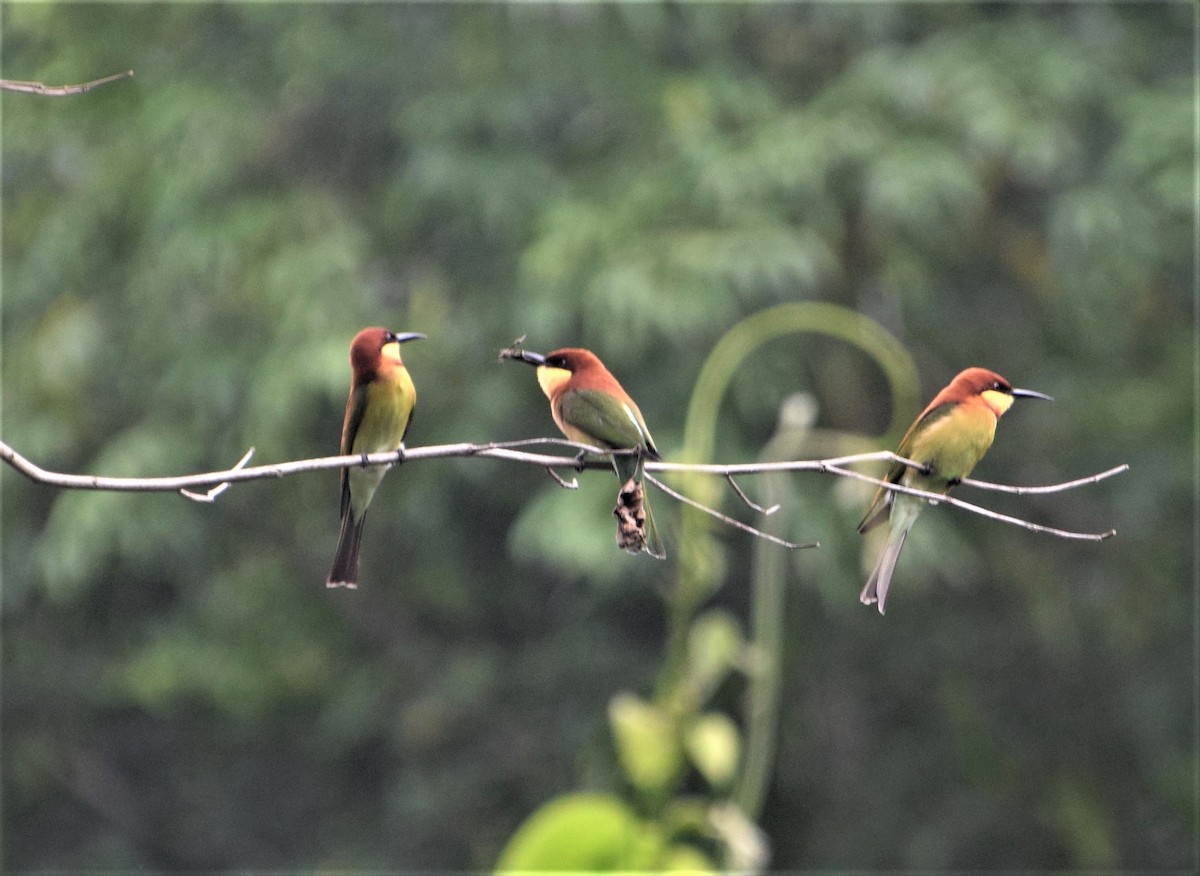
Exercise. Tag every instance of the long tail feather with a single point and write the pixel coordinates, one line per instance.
(653, 546)
(344, 572)
(651, 542)
(904, 515)
(877, 585)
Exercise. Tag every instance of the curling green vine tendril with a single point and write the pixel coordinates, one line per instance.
(698, 566)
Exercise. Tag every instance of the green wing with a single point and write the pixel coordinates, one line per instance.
(354, 414)
(882, 503)
(609, 421)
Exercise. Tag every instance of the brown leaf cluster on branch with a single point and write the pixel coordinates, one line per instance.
(630, 512)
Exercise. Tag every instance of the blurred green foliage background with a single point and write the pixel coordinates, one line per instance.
(187, 254)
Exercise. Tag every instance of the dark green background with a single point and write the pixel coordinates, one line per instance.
(187, 254)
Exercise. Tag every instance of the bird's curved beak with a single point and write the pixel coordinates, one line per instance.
(404, 337)
(1030, 393)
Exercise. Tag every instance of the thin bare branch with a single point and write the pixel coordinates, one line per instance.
(60, 90)
(836, 465)
(724, 470)
(497, 450)
(938, 498)
(750, 503)
(1052, 488)
(511, 451)
(724, 518)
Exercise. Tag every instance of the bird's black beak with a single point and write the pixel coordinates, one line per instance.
(1030, 393)
(403, 337)
(523, 356)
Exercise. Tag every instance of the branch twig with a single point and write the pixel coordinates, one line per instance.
(511, 451)
(750, 503)
(724, 518)
(211, 495)
(937, 498)
(572, 484)
(1053, 488)
(60, 90)
(506, 450)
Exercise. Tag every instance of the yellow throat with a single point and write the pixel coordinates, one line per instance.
(551, 379)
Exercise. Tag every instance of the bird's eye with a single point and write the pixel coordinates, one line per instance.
(996, 384)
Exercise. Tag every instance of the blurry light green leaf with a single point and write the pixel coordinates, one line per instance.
(683, 859)
(715, 644)
(714, 745)
(594, 833)
(647, 743)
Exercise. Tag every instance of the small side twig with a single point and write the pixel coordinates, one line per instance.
(724, 518)
(211, 495)
(60, 90)
(754, 506)
(572, 484)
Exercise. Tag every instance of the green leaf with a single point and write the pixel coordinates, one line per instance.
(687, 859)
(714, 745)
(715, 644)
(647, 745)
(583, 832)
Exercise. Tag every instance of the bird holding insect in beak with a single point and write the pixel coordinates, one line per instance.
(378, 413)
(948, 439)
(590, 407)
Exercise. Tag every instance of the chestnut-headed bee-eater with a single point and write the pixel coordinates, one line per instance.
(949, 437)
(590, 407)
(378, 413)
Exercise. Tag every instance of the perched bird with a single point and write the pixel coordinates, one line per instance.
(590, 407)
(948, 439)
(378, 412)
